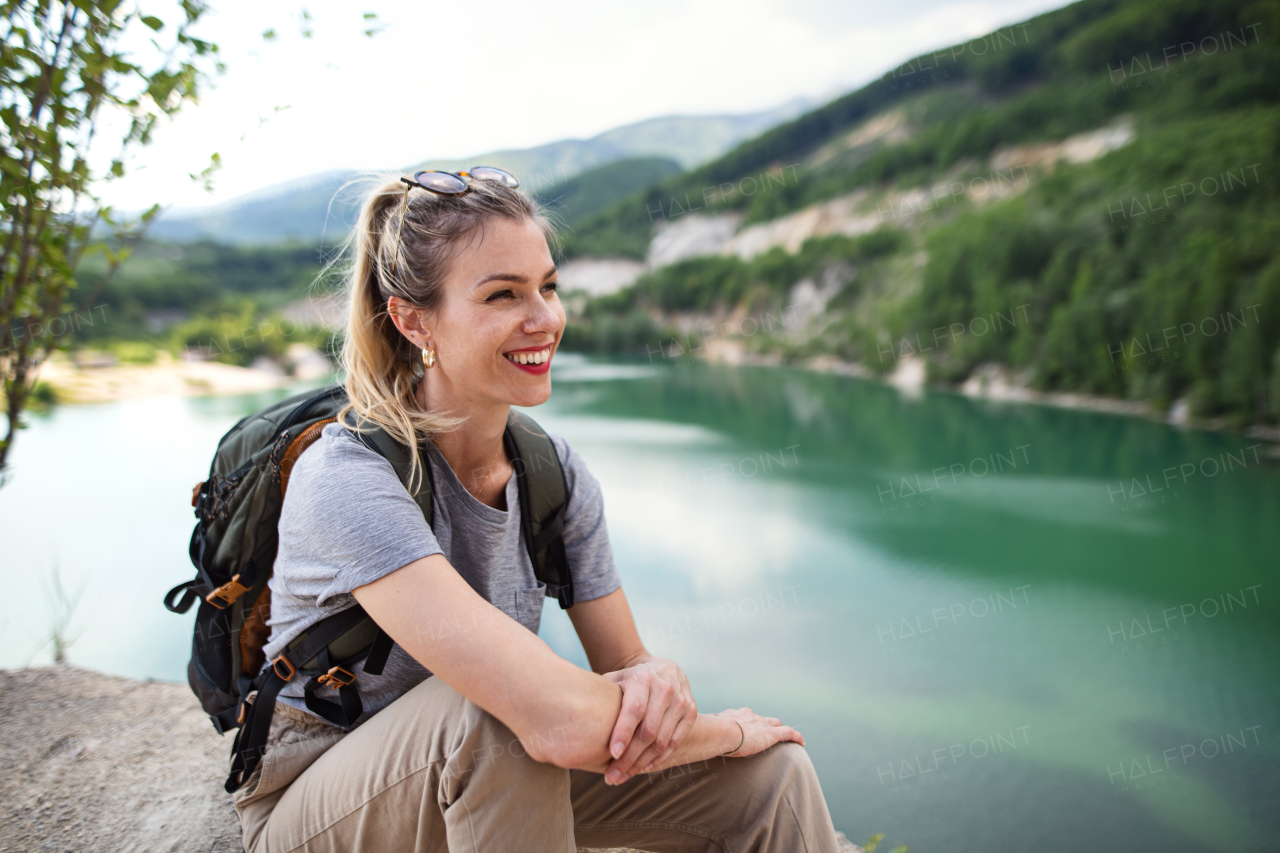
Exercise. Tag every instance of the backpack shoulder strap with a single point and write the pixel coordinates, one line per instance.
(398, 455)
(543, 497)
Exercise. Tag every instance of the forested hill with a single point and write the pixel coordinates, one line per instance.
(1105, 172)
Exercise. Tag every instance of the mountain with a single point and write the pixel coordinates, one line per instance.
(1085, 202)
(311, 209)
(324, 206)
(599, 188)
(689, 140)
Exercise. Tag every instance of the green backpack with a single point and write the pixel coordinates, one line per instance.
(233, 548)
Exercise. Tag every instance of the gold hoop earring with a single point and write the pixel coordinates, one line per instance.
(428, 358)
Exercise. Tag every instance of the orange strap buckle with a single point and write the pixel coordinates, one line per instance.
(337, 677)
(288, 672)
(226, 595)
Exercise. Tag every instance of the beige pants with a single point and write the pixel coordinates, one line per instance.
(434, 772)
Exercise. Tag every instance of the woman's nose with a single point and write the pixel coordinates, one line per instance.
(541, 316)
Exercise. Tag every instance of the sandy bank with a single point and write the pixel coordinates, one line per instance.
(167, 377)
(92, 762)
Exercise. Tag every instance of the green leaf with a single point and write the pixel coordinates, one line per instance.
(153, 22)
(269, 35)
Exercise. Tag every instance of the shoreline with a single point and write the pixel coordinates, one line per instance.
(993, 383)
(73, 384)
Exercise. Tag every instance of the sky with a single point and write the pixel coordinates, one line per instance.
(443, 80)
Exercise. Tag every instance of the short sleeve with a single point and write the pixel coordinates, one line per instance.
(586, 537)
(346, 521)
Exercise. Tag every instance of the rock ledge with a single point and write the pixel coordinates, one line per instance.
(92, 762)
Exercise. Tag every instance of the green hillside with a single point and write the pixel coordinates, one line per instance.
(601, 188)
(1149, 272)
(170, 296)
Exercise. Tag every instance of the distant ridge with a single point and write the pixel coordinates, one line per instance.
(311, 208)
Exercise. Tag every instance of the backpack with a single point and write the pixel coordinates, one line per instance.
(233, 548)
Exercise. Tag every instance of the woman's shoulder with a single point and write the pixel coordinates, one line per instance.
(338, 456)
(341, 492)
(338, 444)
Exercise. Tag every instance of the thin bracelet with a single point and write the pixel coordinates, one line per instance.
(740, 743)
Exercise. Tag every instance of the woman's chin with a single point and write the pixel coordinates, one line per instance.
(534, 392)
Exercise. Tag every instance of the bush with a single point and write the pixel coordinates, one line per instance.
(133, 352)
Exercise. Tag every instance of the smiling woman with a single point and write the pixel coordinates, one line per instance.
(470, 733)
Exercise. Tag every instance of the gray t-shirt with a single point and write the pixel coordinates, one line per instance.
(347, 521)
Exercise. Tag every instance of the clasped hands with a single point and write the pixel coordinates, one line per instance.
(658, 710)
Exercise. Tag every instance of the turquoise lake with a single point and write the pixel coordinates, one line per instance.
(999, 627)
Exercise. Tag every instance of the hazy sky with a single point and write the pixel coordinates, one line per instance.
(446, 80)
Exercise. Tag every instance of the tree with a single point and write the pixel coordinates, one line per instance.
(72, 82)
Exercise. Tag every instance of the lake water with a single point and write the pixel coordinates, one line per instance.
(998, 626)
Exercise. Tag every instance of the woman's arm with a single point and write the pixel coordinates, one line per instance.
(608, 632)
(562, 714)
(658, 708)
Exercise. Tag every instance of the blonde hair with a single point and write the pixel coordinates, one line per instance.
(383, 367)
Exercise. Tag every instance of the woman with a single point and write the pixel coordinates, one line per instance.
(454, 319)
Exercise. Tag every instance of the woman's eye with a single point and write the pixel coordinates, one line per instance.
(500, 295)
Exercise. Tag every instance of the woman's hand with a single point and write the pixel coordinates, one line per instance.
(657, 712)
(759, 733)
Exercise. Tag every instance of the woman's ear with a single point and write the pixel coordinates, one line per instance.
(410, 320)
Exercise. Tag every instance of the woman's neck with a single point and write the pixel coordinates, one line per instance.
(475, 451)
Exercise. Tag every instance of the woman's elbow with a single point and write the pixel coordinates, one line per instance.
(574, 734)
(570, 726)
(567, 746)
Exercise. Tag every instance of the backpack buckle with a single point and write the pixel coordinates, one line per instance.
(337, 677)
(287, 673)
(226, 595)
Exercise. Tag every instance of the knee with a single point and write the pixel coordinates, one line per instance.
(785, 809)
(787, 767)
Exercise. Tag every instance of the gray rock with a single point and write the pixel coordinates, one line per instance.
(92, 762)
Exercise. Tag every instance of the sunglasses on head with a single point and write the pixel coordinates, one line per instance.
(447, 183)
